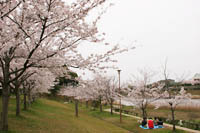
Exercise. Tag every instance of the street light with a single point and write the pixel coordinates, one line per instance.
(120, 105)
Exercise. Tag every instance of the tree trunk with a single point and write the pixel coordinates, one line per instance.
(144, 113)
(76, 108)
(100, 105)
(173, 119)
(17, 101)
(93, 105)
(111, 107)
(86, 104)
(29, 97)
(5, 103)
(25, 100)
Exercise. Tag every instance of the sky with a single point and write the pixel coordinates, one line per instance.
(160, 30)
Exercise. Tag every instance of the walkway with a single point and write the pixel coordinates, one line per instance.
(165, 124)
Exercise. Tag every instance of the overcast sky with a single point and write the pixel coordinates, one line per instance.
(159, 29)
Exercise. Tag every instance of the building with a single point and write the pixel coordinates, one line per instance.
(194, 81)
(196, 77)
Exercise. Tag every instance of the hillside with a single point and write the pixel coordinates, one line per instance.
(47, 116)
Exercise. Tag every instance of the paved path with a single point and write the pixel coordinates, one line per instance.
(165, 124)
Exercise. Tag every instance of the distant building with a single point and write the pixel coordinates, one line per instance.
(194, 81)
(170, 81)
(196, 77)
(162, 82)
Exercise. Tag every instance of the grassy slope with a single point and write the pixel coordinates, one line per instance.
(47, 116)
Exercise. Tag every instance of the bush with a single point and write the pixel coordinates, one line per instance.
(126, 111)
(116, 110)
(191, 125)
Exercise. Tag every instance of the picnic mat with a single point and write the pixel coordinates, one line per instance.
(155, 127)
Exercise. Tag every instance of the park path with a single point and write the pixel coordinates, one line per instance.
(165, 124)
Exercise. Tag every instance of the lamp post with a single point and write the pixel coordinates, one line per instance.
(120, 105)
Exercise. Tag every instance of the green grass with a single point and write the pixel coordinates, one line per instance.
(49, 116)
(128, 123)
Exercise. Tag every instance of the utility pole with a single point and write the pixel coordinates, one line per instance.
(120, 105)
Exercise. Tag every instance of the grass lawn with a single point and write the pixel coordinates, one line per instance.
(48, 116)
(128, 123)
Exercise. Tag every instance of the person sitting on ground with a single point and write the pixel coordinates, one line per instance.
(150, 123)
(156, 121)
(160, 122)
(144, 121)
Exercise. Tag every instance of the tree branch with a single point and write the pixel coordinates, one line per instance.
(6, 14)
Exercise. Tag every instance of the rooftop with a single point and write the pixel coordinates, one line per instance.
(196, 76)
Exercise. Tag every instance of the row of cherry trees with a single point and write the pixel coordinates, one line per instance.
(140, 93)
(39, 37)
(99, 89)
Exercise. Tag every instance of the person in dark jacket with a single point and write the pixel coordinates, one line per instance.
(144, 121)
(156, 121)
(160, 122)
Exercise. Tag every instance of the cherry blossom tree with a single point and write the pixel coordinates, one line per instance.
(16, 87)
(110, 92)
(28, 80)
(172, 96)
(90, 94)
(7, 6)
(76, 92)
(102, 88)
(94, 90)
(173, 99)
(46, 34)
(38, 82)
(28, 87)
(142, 94)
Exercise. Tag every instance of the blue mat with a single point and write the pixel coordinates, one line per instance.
(155, 127)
